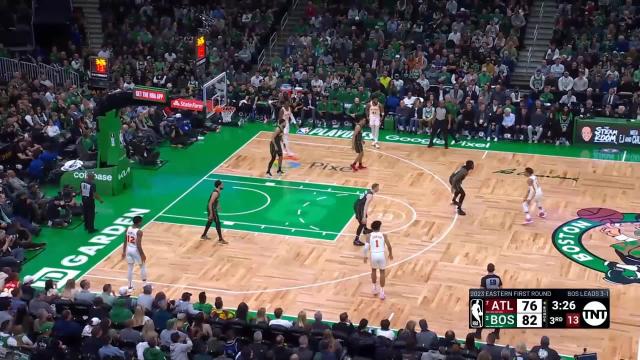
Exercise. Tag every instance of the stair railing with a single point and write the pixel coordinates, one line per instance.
(535, 33)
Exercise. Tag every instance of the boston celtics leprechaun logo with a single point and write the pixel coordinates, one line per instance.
(616, 231)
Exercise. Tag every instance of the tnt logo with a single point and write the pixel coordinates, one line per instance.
(476, 310)
(59, 276)
(595, 313)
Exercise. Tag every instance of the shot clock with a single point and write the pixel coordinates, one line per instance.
(99, 67)
(539, 308)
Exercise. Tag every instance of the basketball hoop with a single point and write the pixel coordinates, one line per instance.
(227, 113)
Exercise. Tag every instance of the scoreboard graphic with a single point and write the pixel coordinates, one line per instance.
(539, 308)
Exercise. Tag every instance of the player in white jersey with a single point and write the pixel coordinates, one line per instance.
(132, 250)
(534, 192)
(375, 244)
(375, 113)
(286, 114)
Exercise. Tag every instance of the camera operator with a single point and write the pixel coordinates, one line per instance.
(180, 131)
(58, 212)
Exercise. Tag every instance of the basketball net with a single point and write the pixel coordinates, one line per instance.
(227, 113)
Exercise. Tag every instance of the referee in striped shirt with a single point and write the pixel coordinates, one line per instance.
(490, 281)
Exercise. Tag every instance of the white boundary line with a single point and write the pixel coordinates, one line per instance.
(286, 186)
(327, 241)
(249, 211)
(293, 229)
(174, 202)
(285, 180)
(327, 282)
(464, 148)
(638, 349)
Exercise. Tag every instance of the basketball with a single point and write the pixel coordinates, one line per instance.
(602, 215)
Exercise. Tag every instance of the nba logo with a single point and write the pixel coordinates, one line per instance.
(476, 310)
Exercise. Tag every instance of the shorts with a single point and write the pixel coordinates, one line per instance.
(374, 122)
(216, 218)
(359, 213)
(275, 150)
(133, 256)
(378, 261)
(537, 198)
(358, 148)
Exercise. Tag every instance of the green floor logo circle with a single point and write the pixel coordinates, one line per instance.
(567, 239)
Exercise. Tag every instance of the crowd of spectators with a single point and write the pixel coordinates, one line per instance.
(409, 54)
(591, 64)
(152, 42)
(76, 322)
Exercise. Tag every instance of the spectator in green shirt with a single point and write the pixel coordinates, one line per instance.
(356, 110)
(202, 304)
(120, 312)
(322, 108)
(547, 97)
(335, 110)
(484, 77)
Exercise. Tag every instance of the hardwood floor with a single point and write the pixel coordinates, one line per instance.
(438, 256)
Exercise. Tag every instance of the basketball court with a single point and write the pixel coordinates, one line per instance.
(291, 237)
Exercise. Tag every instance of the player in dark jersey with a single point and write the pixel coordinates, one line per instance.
(490, 281)
(360, 207)
(212, 213)
(456, 185)
(357, 144)
(275, 147)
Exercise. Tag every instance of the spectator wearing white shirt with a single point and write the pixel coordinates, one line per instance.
(385, 331)
(397, 82)
(565, 83)
(581, 83)
(455, 36)
(424, 82)
(568, 99)
(552, 53)
(146, 299)
(278, 321)
(508, 123)
(557, 69)
(170, 56)
(159, 80)
(52, 129)
(128, 85)
(317, 84)
(409, 99)
(180, 348)
(256, 80)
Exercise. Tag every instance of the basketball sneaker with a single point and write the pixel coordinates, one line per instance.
(542, 214)
(527, 221)
(461, 212)
(376, 145)
(374, 289)
(223, 242)
(357, 242)
(354, 168)
(382, 297)
(268, 174)
(361, 167)
(280, 173)
(204, 237)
